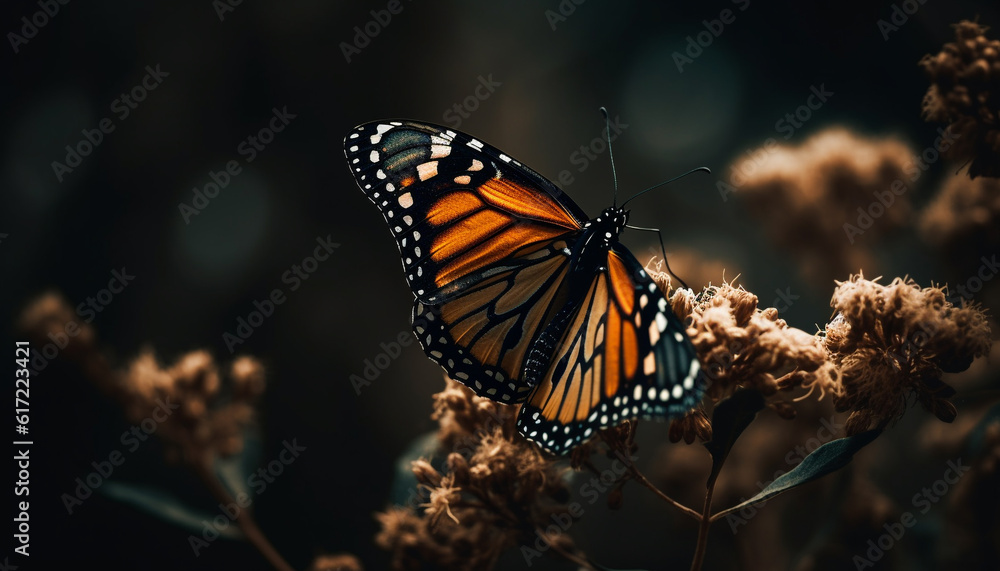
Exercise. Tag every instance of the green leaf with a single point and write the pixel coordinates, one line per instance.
(828, 458)
(730, 418)
(160, 504)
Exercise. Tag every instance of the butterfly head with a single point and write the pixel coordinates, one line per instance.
(611, 222)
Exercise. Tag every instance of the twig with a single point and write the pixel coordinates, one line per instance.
(581, 561)
(243, 517)
(727, 511)
(639, 477)
(706, 521)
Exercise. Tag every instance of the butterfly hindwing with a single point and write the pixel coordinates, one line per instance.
(623, 355)
(455, 205)
(482, 335)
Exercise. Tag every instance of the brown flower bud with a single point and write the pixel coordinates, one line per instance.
(425, 473)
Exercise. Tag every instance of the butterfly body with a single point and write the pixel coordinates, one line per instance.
(591, 249)
(518, 294)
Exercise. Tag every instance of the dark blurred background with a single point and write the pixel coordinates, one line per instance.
(224, 75)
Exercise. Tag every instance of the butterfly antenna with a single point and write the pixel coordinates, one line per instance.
(641, 192)
(614, 175)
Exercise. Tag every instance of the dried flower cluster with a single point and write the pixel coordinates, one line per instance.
(965, 94)
(207, 421)
(743, 346)
(805, 196)
(494, 490)
(964, 217)
(338, 562)
(695, 268)
(893, 341)
(49, 319)
(204, 420)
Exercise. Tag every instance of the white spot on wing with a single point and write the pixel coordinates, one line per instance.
(692, 373)
(427, 170)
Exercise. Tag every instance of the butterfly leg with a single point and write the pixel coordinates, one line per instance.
(662, 249)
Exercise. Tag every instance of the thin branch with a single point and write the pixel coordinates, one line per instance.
(706, 522)
(243, 517)
(727, 511)
(572, 557)
(639, 477)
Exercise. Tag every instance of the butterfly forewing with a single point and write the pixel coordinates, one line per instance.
(623, 355)
(455, 205)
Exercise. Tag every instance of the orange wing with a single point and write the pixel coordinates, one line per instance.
(455, 205)
(623, 355)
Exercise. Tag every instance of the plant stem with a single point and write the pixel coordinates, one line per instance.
(243, 517)
(581, 562)
(706, 521)
(639, 477)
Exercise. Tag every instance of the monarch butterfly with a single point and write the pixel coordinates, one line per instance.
(519, 295)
